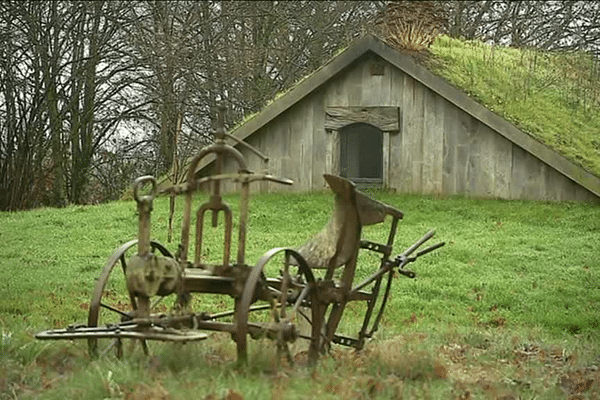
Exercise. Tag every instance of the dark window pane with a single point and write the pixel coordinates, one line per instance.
(361, 151)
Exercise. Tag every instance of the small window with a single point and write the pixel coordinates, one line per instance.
(361, 154)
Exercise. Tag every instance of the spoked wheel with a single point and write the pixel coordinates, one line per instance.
(279, 295)
(111, 303)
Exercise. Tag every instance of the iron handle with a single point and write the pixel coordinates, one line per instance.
(144, 209)
(139, 183)
(407, 273)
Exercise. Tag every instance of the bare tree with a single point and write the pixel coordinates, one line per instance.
(268, 46)
(91, 41)
(242, 53)
(29, 112)
(82, 81)
(68, 78)
(547, 25)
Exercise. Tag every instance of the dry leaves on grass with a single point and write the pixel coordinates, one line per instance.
(398, 357)
(577, 382)
(145, 392)
(229, 394)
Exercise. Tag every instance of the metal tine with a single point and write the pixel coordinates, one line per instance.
(123, 314)
(230, 313)
(301, 297)
(157, 302)
(112, 344)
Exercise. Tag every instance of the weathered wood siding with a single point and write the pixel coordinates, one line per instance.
(295, 143)
(438, 149)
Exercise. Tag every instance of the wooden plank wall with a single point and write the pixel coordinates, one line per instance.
(439, 149)
(296, 145)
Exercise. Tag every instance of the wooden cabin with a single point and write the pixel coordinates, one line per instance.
(376, 116)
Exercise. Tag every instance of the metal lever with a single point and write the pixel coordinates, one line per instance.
(401, 260)
(430, 249)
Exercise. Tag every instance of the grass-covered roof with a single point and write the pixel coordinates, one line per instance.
(552, 96)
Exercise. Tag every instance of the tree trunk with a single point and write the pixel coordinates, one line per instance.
(82, 136)
(49, 58)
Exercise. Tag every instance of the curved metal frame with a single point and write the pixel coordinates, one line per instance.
(96, 301)
(308, 295)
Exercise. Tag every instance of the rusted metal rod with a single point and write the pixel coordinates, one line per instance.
(144, 210)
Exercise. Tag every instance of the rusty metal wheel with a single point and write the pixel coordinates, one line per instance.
(111, 303)
(280, 293)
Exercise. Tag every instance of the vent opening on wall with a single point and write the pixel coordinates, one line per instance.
(361, 155)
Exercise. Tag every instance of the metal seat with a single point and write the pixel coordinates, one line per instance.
(337, 243)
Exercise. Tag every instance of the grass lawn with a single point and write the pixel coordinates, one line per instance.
(509, 307)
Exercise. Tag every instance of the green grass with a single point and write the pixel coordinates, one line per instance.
(553, 96)
(510, 306)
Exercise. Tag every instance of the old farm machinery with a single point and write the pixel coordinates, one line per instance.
(286, 289)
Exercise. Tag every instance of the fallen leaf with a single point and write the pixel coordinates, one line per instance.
(232, 395)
